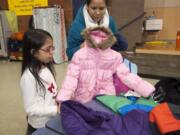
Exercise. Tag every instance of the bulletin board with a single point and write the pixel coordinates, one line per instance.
(24, 7)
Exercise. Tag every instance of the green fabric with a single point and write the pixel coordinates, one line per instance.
(144, 101)
(114, 102)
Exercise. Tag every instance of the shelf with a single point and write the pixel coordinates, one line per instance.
(167, 49)
(156, 60)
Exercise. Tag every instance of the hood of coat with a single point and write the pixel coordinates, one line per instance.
(99, 37)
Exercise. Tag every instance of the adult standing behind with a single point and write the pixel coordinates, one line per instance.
(93, 13)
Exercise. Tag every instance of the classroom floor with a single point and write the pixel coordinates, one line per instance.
(12, 115)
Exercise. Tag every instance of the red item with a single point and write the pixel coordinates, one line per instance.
(51, 87)
(163, 117)
(178, 40)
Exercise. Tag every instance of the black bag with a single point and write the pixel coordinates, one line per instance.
(168, 90)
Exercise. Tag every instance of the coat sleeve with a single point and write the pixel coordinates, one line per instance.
(34, 103)
(133, 81)
(70, 82)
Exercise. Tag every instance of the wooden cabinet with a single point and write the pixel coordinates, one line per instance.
(159, 60)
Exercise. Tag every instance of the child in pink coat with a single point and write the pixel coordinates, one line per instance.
(91, 70)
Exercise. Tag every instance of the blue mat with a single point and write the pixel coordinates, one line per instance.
(44, 131)
(55, 125)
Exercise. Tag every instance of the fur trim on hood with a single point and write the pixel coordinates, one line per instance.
(99, 37)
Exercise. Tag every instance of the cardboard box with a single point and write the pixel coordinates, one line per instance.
(154, 24)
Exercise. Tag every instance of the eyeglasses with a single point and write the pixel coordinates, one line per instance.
(48, 49)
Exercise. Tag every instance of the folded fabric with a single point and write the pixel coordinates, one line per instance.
(146, 101)
(132, 98)
(165, 118)
(80, 120)
(97, 106)
(114, 102)
(136, 122)
(125, 109)
(55, 123)
(123, 105)
(140, 104)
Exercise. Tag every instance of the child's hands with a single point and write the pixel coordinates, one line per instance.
(159, 95)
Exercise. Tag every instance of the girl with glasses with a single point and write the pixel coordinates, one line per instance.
(37, 81)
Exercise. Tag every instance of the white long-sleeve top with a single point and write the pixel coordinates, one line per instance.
(39, 109)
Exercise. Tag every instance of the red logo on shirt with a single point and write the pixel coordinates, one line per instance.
(51, 87)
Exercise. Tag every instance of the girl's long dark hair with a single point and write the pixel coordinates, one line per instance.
(33, 40)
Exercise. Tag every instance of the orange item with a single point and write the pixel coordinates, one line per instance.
(178, 40)
(17, 36)
(163, 117)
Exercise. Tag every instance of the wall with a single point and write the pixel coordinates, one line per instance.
(161, 3)
(3, 4)
(24, 20)
(169, 11)
(124, 11)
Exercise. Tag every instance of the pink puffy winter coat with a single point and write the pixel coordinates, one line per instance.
(91, 70)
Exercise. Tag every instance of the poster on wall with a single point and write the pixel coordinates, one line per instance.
(24, 7)
(51, 19)
(8, 25)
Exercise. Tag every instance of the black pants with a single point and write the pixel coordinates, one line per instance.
(30, 130)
